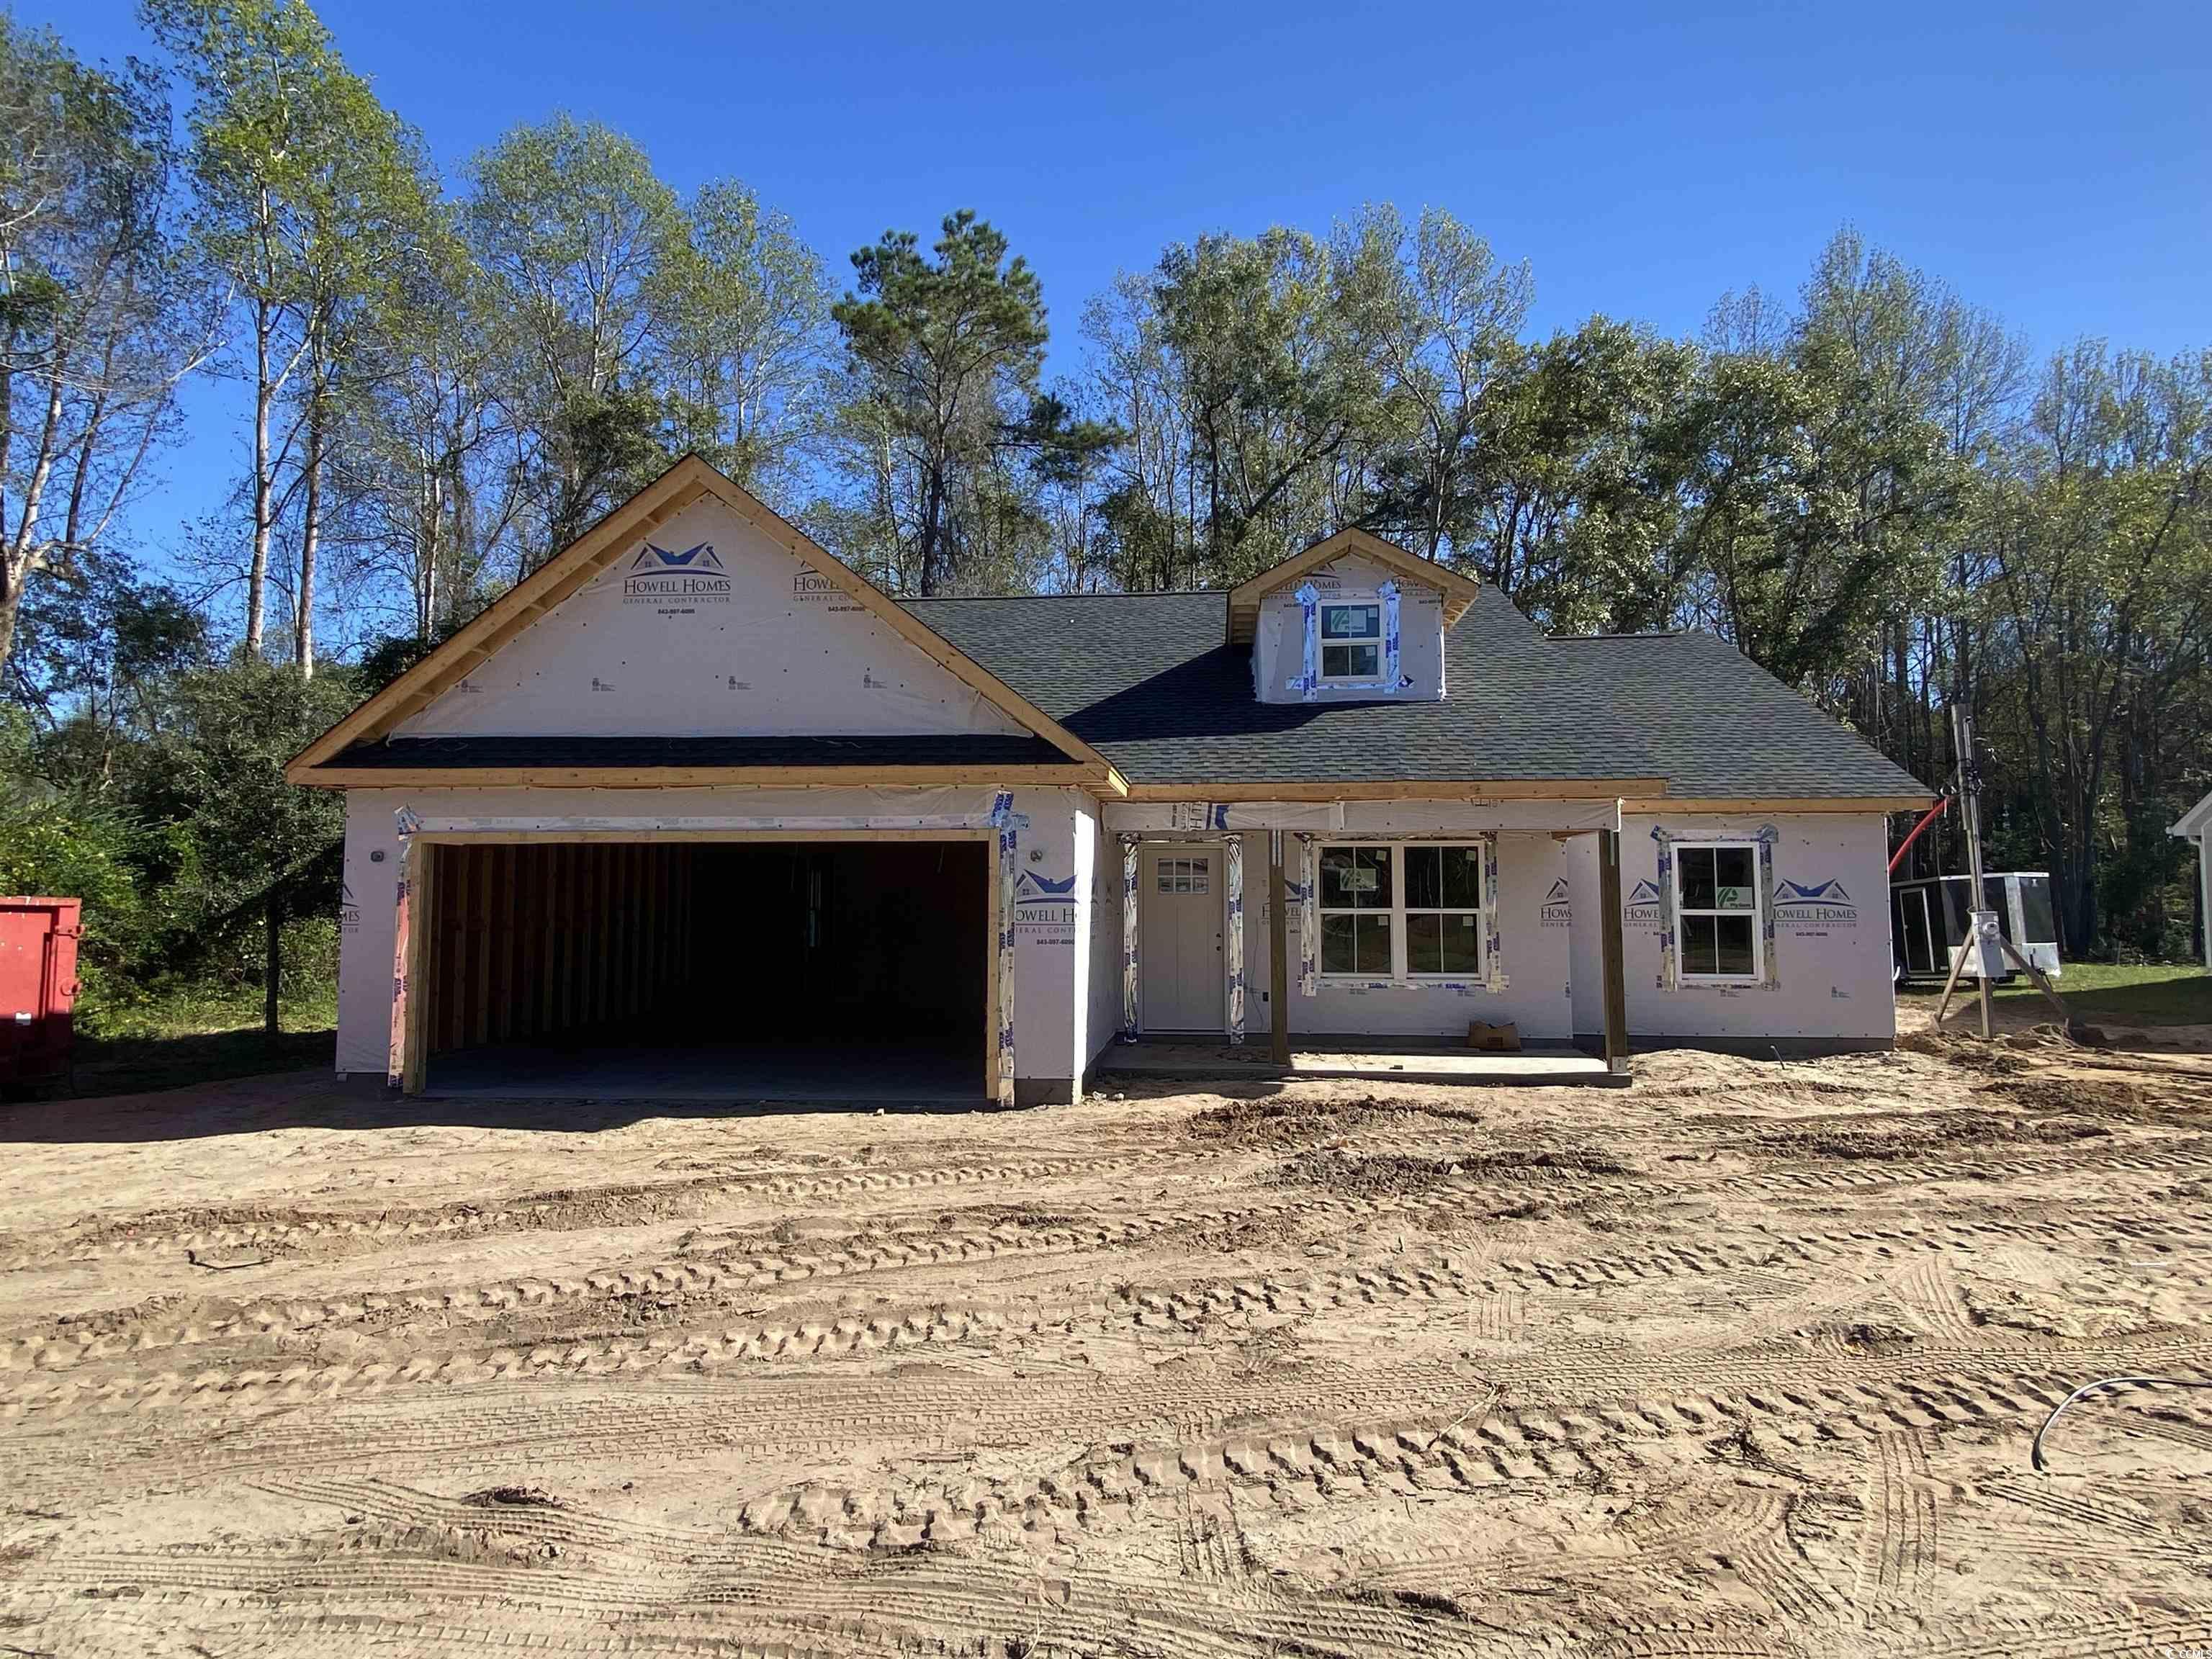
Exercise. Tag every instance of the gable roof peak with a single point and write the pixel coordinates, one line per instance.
(1246, 598)
(688, 480)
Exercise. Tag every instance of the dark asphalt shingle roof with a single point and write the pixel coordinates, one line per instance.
(1146, 680)
(954, 749)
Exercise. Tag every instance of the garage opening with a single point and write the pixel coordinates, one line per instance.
(847, 971)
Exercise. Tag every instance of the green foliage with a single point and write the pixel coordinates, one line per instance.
(1861, 487)
(99, 316)
(67, 848)
(943, 353)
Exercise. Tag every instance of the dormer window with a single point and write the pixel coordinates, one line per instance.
(1351, 642)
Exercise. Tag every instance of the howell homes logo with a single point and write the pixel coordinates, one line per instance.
(1557, 909)
(662, 577)
(1044, 908)
(1818, 907)
(1640, 909)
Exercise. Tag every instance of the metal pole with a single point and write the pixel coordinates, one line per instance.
(1970, 817)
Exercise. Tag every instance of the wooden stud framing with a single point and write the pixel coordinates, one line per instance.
(605, 921)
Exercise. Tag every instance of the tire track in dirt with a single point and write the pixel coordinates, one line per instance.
(723, 1275)
(427, 1548)
(1897, 1545)
(625, 1203)
(1438, 1281)
(2191, 1158)
(1384, 1425)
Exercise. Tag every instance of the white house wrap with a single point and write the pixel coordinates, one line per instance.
(693, 785)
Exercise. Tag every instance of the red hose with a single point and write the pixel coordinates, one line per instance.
(1926, 818)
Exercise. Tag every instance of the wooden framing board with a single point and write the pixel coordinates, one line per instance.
(680, 777)
(1612, 950)
(581, 981)
(1661, 805)
(1410, 790)
(689, 480)
(422, 908)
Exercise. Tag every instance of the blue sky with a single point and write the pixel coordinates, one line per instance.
(2053, 162)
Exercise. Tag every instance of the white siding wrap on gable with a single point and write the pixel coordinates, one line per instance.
(1279, 641)
(704, 627)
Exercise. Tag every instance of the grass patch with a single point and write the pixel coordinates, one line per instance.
(2117, 993)
(195, 1033)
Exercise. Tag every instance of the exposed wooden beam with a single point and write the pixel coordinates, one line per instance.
(1612, 951)
(1420, 789)
(556, 837)
(1661, 806)
(683, 777)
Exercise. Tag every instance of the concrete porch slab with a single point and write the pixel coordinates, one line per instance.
(1362, 1059)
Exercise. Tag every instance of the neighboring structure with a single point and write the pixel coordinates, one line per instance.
(694, 788)
(2195, 825)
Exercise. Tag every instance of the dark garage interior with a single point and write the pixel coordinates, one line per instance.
(707, 970)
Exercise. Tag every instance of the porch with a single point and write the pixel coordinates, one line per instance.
(1360, 1059)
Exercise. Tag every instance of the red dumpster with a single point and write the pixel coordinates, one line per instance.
(38, 988)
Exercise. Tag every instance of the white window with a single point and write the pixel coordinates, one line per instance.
(1716, 911)
(1351, 642)
(1183, 875)
(1401, 910)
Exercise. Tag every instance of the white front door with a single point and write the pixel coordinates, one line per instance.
(1181, 909)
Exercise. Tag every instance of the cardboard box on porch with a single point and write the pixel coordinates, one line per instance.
(1504, 1039)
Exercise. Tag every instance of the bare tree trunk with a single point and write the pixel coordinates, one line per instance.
(932, 521)
(11, 601)
(303, 619)
(273, 969)
(257, 575)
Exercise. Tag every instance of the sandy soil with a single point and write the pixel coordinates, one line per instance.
(1744, 1360)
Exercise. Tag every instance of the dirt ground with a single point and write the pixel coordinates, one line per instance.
(1743, 1360)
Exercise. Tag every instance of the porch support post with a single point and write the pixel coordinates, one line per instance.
(1613, 949)
(1233, 957)
(1279, 962)
(409, 1067)
(1129, 1004)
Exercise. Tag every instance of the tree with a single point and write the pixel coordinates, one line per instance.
(2099, 531)
(1568, 499)
(944, 354)
(1276, 385)
(574, 231)
(308, 189)
(745, 310)
(264, 850)
(99, 321)
(1445, 319)
(432, 480)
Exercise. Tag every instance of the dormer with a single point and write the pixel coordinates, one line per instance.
(1351, 619)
